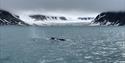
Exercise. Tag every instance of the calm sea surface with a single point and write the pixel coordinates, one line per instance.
(30, 44)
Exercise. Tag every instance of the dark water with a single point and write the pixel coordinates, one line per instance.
(19, 44)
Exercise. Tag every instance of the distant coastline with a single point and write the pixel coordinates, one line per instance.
(103, 19)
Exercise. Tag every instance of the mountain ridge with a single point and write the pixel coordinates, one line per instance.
(103, 19)
(6, 18)
(110, 18)
(43, 17)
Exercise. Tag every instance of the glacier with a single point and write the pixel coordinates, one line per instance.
(53, 18)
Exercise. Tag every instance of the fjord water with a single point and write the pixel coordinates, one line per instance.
(84, 44)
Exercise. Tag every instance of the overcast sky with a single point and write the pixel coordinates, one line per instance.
(83, 5)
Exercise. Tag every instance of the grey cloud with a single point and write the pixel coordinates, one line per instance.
(87, 5)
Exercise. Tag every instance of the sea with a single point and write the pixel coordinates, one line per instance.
(80, 44)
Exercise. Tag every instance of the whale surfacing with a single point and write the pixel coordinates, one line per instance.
(57, 39)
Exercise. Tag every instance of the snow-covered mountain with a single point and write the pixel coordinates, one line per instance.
(6, 18)
(56, 18)
(110, 19)
(62, 20)
(41, 19)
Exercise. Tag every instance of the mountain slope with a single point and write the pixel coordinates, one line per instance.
(7, 18)
(39, 17)
(110, 18)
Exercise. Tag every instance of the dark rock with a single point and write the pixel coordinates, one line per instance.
(85, 18)
(62, 18)
(54, 18)
(111, 18)
(39, 17)
(6, 18)
(44, 17)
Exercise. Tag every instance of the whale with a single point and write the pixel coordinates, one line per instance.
(57, 39)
